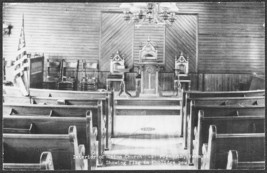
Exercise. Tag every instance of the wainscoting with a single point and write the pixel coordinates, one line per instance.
(201, 82)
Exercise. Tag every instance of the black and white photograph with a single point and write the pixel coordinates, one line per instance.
(158, 86)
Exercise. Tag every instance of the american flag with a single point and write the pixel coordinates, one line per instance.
(21, 64)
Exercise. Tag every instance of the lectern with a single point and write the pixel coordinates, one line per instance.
(149, 67)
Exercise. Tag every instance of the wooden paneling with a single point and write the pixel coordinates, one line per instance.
(181, 37)
(156, 34)
(231, 35)
(115, 36)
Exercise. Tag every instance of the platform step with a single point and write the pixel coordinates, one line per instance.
(127, 107)
(148, 102)
(163, 112)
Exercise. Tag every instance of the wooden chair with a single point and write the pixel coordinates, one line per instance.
(24, 148)
(234, 163)
(225, 125)
(86, 133)
(250, 147)
(45, 163)
(89, 81)
(69, 78)
(54, 73)
(117, 70)
(181, 69)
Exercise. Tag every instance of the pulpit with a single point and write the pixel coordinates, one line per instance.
(149, 67)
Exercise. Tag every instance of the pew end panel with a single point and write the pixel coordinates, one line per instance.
(27, 147)
(249, 145)
(46, 163)
(233, 163)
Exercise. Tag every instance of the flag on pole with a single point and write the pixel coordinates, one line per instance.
(21, 64)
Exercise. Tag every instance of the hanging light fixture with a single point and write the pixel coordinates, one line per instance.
(154, 13)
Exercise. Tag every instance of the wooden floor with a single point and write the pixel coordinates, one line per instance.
(147, 143)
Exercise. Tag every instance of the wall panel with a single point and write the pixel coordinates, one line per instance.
(231, 34)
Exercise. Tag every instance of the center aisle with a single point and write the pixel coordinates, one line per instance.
(147, 143)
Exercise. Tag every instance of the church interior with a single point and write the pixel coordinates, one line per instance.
(133, 86)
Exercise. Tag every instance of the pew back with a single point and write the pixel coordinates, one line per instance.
(249, 145)
(24, 148)
(234, 163)
(86, 134)
(63, 111)
(225, 125)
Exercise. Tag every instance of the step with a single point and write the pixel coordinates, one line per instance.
(147, 102)
(147, 111)
(128, 107)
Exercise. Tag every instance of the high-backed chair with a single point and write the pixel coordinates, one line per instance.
(69, 75)
(53, 73)
(117, 71)
(89, 81)
(181, 73)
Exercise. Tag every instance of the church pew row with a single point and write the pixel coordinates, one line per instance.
(108, 104)
(250, 147)
(45, 163)
(225, 125)
(27, 148)
(188, 95)
(193, 105)
(86, 133)
(9, 99)
(69, 98)
(234, 163)
(224, 101)
(62, 111)
(216, 111)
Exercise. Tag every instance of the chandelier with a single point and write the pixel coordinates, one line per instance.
(153, 13)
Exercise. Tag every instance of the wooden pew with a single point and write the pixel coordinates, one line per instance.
(223, 101)
(259, 100)
(215, 111)
(45, 163)
(236, 101)
(24, 148)
(86, 133)
(234, 163)
(62, 111)
(225, 125)
(82, 101)
(9, 99)
(188, 95)
(108, 95)
(250, 147)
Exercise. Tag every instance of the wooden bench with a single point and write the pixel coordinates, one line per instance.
(62, 111)
(259, 100)
(9, 99)
(225, 125)
(188, 95)
(250, 147)
(234, 163)
(45, 163)
(86, 133)
(108, 95)
(193, 105)
(216, 111)
(24, 148)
